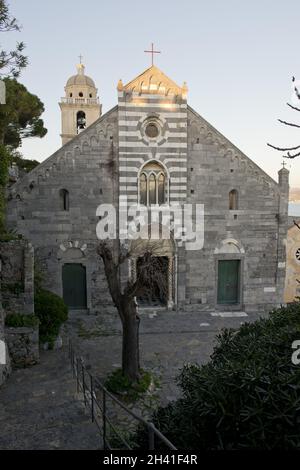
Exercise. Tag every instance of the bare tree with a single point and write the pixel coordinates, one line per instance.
(296, 148)
(150, 274)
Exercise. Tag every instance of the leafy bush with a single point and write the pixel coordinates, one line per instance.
(247, 396)
(52, 312)
(120, 384)
(20, 320)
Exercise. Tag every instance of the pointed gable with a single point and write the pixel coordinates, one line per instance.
(152, 81)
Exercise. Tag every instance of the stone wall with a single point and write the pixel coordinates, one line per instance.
(17, 296)
(23, 346)
(86, 167)
(255, 233)
(17, 276)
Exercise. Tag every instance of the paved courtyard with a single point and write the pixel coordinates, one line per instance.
(168, 340)
(38, 406)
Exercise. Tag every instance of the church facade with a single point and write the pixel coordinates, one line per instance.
(153, 148)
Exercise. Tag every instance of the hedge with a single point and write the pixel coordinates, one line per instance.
(52, 312)
(246, 397)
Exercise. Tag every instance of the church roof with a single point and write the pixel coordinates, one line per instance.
(81, 79)
(153, 80)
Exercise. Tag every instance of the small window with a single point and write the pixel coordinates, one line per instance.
(64, 200)
(81, 121)
(71, 94)
(233, 200)
(91, 96)
(80, 94)
(143, 189)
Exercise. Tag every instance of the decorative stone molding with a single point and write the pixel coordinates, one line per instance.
(73, 244)
(229, 245)
(152, 81)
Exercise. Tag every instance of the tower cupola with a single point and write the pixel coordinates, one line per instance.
(80, 106)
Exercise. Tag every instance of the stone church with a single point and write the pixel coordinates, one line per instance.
(153, 148)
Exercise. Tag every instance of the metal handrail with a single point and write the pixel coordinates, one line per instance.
(80, 372)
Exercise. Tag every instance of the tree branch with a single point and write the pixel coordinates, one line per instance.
(284, 149)
(291, 156)
(288, 123)
(293, 107)
(297, 225)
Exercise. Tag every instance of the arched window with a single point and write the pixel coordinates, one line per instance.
(161, 189)
(153, 184)
(81, 121)
(233, 200)
(152, 189)
(64, 199)
(143, 189)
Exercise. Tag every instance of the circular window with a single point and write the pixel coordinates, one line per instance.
(297, 254)
(152, 130)
(80, 94)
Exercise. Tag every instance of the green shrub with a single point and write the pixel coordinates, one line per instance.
(247, 396)
(120, 384)
(52, 312)
(20, 320)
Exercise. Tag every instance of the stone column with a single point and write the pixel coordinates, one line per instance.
(132, 269)
(170, 282)
(283, 182)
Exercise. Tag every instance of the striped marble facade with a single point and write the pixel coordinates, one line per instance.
(168, 107)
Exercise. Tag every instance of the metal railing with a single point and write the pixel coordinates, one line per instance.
(89, 385)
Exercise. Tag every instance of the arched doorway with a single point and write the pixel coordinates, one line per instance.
(229, 273)
(74, 285)
(163, 252)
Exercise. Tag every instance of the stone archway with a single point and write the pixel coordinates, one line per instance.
(162, 248)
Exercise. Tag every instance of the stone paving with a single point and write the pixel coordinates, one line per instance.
(168, 340)
(38, 406)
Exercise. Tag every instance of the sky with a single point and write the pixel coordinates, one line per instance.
(237, 58)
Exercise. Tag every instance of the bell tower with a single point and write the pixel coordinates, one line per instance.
(80, 106)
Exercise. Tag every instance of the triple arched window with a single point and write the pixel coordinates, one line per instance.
(152, 183)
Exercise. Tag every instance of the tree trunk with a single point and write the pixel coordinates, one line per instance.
(130, 346)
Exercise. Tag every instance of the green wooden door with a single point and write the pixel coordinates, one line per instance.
(228, 281)
(74, 285)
